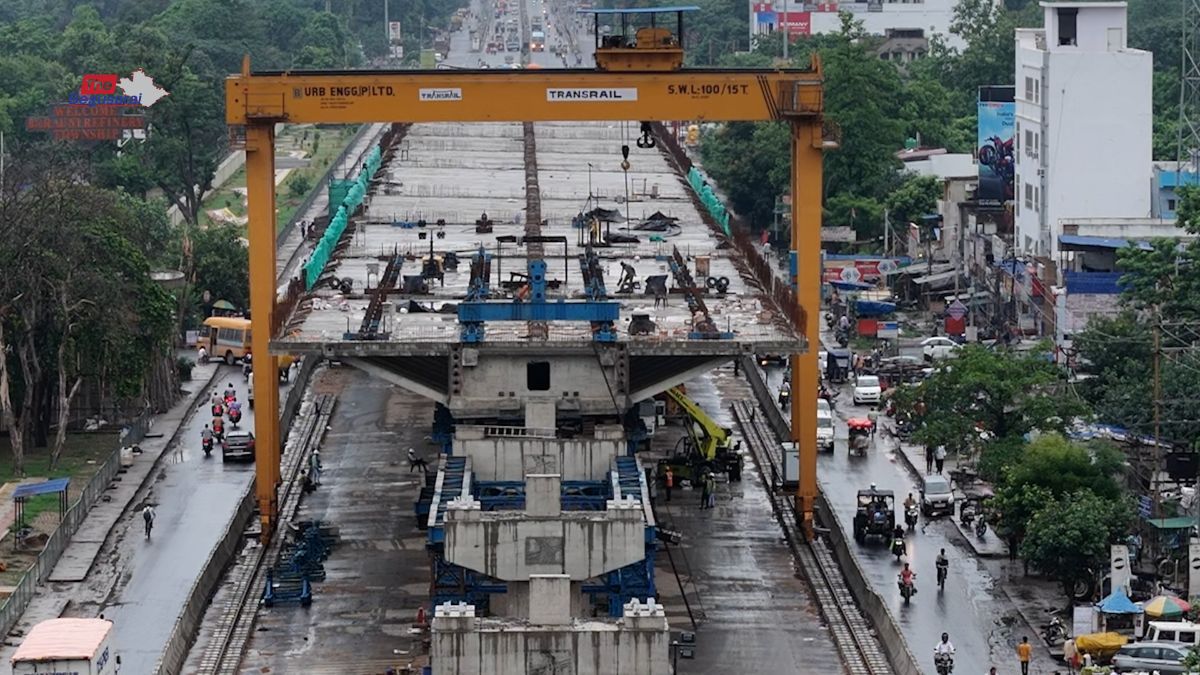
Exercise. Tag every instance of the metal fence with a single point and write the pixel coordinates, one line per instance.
(25, 589)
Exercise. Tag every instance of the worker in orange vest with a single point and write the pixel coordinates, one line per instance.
(669, 482)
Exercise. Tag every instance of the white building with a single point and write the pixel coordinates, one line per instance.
(877, 16)
(1083, 124)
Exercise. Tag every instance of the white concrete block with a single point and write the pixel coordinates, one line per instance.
(540, 414)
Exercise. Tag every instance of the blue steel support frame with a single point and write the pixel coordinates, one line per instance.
(473, 314)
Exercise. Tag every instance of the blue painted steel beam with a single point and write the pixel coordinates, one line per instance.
(473, 312)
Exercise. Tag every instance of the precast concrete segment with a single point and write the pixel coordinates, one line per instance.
(852, 634)
(456, 172)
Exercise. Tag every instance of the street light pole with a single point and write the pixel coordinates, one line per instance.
(784, 24)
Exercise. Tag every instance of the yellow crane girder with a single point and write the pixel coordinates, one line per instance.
(257, 101)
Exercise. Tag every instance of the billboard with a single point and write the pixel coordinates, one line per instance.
(767, 20)
(994, 149)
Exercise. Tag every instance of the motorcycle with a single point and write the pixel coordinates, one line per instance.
(235, 416)
(980, 527)
(207, 444)
(218, 410)
(944, 663)
(910, 516)
(906, 590)
(1054, 631)
(785, 397)
(218, 430)
(898, 547)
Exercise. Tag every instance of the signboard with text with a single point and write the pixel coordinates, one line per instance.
(90, 123)
(394, 34)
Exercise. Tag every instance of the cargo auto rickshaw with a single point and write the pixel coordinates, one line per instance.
(861, 431)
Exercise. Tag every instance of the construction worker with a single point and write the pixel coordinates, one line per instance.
(668, 482)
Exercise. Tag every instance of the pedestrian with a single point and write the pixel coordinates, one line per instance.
(668, 482)
(929, 459)
(314, 467)
(1071, 655)
(703, 492)
(1024, 651)
(939, 456)
(712, 491)
(415, 462)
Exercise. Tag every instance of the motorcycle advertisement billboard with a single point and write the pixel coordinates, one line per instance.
(995, 145)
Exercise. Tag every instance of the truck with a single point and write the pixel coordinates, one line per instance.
(76, 646)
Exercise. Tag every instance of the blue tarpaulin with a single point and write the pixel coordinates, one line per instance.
(47, 487)
(1118, 603)
(1072, 242)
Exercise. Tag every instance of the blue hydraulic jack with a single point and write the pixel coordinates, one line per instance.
(299, 592)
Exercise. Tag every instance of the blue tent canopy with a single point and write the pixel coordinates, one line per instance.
(44, 488)
(1118, 603)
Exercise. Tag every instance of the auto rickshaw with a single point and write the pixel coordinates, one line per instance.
(837, 365)
(861, 431)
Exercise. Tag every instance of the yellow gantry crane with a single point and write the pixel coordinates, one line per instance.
(638, 77)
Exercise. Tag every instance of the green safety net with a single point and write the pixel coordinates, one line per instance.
(338, 189)
(353, 198)
(712, 203)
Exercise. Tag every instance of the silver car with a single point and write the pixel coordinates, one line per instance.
(937, 496)
(1164, 657)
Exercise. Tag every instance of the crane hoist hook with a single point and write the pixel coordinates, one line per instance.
(646, 140)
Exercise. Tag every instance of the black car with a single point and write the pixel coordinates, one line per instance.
(238, 445)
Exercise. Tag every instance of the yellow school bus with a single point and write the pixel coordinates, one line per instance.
(228, 338)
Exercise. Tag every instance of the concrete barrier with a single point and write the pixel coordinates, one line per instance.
(187, 625)
(898, 654)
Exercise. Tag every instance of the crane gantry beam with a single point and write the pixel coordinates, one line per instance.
(257, 101)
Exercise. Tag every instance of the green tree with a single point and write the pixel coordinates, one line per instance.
(863, 97)
(1062, 467)
(1069, 539)
(186, 141)
(1015, 506)
(752, 164)
(915, 197)
(864, 214)
(984, 396)
(220, 263)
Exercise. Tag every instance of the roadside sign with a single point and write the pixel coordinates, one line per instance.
(956, 310)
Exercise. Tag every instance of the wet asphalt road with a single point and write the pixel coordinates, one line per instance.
(194, 498)
(983, 624)
(755, 615)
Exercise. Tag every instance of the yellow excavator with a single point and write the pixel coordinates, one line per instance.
(705, 447)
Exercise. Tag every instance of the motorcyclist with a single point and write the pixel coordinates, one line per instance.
(206, 435)
(230, 393)
(943, 564)
(907, 575)
(910, 502)
(898, 533)
(945, 647)
(218, 427)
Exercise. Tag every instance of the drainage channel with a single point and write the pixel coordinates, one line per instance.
(852, 634)
(224, 651)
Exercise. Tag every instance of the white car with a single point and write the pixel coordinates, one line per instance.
(867, 389)
(824, 430)
(935, 348)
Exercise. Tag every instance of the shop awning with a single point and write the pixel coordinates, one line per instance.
(1075, 242)
(1177, 523)
(937, 280)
